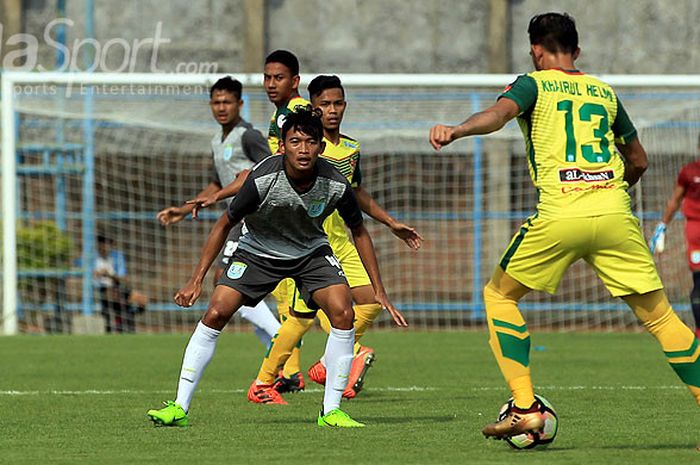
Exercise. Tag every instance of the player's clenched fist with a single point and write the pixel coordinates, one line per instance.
(189, 294)
(441, 135)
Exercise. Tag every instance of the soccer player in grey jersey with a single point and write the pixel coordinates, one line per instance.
(235, 147)
(284, 200)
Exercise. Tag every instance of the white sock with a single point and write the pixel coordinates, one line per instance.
(198, 354)
(260, 316)
(338, 359)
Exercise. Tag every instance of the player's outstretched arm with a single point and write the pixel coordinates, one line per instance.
(484, 122)
(230, 190)
(172, 215)
(673, 204)
(635, 158)
(404, 232)
(365, 248)
(191, 291)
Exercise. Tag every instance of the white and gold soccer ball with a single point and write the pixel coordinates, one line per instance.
(539, 439)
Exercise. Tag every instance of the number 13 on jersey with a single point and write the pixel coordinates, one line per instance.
(590, 121)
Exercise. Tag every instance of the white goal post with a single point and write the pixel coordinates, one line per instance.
(399, 83)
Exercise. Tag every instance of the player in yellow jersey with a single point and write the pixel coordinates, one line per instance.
(583, 154)
(281, 81)
(328, 96)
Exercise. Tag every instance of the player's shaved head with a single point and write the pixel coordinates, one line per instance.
(556, 32)
(304, 121)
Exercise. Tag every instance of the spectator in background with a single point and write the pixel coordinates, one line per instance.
(119, 303)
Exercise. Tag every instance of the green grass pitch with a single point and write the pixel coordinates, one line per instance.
(83, 399)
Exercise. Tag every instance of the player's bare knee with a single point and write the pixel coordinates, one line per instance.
(218, 314)
(342, 318)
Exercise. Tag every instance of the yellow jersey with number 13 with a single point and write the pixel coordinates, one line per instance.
(571, 122)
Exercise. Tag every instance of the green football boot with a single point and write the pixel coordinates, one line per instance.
(336, 418)
(171, 415)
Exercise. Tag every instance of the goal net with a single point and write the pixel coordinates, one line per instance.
(91, 155)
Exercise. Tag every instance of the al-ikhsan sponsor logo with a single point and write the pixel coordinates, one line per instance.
(578, 175)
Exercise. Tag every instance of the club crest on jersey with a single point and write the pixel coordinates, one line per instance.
(228, 152)
(236, 270)
(316, 207)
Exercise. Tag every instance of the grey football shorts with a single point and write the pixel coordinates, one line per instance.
(255, 277)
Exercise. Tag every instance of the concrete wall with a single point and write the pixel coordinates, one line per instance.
(624, 36)
(199, 31)
(382, 36)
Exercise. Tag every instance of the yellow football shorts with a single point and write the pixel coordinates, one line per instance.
(280, 293)
(354, 270)
(543, 249)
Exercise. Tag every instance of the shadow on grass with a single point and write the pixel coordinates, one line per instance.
(402, 397)
(547, 450)
(381, 400)
(412, 419)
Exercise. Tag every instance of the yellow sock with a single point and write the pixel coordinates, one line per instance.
(364, 317)
(281, 294)
(356, 348)
(324, 321)
(510, 342)
(282, 347)
(293, 363)
(677, 340)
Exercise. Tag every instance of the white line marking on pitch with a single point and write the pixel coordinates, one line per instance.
(98, 392)
(108, 392)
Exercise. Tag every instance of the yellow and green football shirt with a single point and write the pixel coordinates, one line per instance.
(345, 157)
(278, 118)
(571, 122)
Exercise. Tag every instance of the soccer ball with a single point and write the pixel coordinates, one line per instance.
(539, 439)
